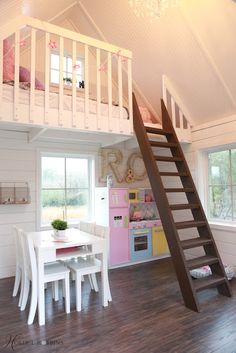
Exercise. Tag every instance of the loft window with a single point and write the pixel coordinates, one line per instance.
(222, 185)
(66, 188)
(67, 70)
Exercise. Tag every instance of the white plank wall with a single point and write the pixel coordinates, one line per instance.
(206, 137)
(18, 160)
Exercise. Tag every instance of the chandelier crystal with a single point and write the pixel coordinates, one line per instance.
(152, 8)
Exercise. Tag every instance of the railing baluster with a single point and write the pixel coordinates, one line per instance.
(47, 78)
(130, 89)
(164, 91)
(184, 115)
(56, 116)
(1, 75)
(181, 123)
(98, 61)
(32, 74)
(109, 86)
(181, 119)
(61, 82)
(16, 76)
(86, 75)
(120, 92)
(173, 112)
(74, 83)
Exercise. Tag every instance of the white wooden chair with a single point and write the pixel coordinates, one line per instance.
(52, 273)
(19, 265)
(104, 232)
(83, 266)
(89, 266)
(89, 227)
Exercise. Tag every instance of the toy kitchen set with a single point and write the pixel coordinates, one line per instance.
(136, 233)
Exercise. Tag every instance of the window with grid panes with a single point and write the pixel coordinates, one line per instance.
(66, 186)
(222, 185)
(67, 69)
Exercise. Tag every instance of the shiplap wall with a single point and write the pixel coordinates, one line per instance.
(18, 162)
(209, 137)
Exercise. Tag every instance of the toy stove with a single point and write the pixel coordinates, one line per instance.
(141, 239)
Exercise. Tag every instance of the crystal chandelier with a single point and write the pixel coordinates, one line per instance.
(152, 8)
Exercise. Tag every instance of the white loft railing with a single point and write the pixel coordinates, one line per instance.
(178, 112)
(46, 116)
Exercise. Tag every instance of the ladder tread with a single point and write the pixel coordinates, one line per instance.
(208, 282)
(201, 261)
(163, 144)
(179, 190)
(168, 159)
(190, 224)
(195, 242)
(174, 174)
(184, 206)
(153, 130)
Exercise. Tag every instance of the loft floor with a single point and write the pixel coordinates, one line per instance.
(146, 316)
(63, 135)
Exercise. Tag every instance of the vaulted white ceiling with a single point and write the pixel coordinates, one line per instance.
(194, 46)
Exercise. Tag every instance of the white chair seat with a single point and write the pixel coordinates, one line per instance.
(55, 269)
(81, 267)
(84, 265)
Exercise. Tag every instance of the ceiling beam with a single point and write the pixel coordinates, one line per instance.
(35, 132)
(62, 12)
(208, 56)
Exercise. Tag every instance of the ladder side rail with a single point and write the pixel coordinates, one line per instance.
(167, 219)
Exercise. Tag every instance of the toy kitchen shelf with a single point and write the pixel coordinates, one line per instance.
(14, 193)
(136, 233)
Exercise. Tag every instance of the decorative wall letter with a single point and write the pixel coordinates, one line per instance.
(111, 159)
(132, 173)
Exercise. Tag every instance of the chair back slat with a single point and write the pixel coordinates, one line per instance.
(29, 257)
(101, 231)
(87, 227)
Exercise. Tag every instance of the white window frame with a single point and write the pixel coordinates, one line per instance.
(216, 220)
(67, 55)
(91, 166)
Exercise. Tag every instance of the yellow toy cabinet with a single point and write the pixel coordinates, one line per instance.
(159, 243)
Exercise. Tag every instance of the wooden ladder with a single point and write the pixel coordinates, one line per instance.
(204, 238)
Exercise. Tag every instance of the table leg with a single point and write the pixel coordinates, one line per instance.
(41, 294)
(104, 277)
(109, 297)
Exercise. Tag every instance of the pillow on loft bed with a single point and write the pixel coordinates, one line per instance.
(24, 76)
(8, 61)
(9, 65)
(147, 117)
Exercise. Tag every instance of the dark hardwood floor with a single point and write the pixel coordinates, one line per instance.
(147, 315)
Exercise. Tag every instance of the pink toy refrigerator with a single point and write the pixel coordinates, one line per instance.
(112, 209)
